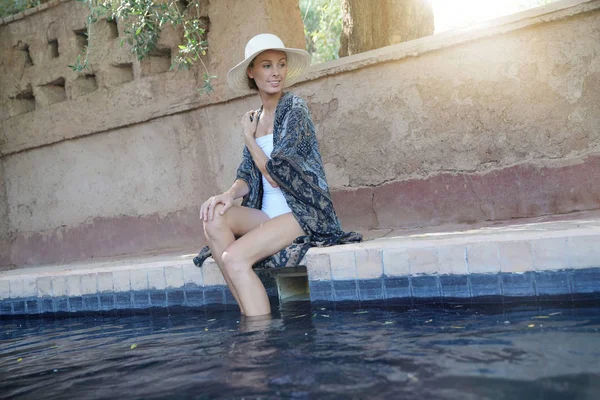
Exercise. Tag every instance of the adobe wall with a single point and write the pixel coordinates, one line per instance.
(497, 123)
(502, 127)
(5, 231)
(101, 163)
(45, 102)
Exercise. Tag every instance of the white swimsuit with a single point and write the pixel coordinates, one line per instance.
(273, 202)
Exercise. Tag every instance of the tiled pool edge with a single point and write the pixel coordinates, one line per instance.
(580, 284)
(539, 260)
(140, 287)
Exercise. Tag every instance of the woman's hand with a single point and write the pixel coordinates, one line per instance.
(207, 209)
(249, 126)
(270, 180)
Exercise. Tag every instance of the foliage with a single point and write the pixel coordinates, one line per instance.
(143, 22)
(11, 7)
(322, 28)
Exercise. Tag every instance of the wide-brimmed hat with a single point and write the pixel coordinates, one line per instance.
(297, 61)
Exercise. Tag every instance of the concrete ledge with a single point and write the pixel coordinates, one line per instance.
(541, 260)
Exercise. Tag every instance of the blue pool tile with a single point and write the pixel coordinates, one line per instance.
(75, 304)
(46, 305)
(370, 289)
(321, 290)
(396, 287)
(91, 302)
(586, 280)
(518, 285)
(485, 285)
(158, 298)
(32, 306)
(212, 295)
(123, 300)
(425, 287)
(61, 304)
(229, 299)
(141, 300)
(18, 307)
(345, 290)
(455, 286)
(175, 298)
(6, 308)
(107, 301)
(552, 283)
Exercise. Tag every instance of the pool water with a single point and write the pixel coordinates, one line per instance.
(527, 351)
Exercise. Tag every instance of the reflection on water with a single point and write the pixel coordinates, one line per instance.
(531, 351)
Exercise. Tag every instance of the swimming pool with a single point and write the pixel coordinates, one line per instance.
(531, 350)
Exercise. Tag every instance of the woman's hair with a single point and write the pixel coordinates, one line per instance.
(251, 82)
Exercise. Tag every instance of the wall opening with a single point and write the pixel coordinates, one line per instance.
(183, 4)
(113, 28)
(118, 74)
(53, 48)
(53, 92)
(83, 85)
(81, 38)
(156, 62)
(24, 50)
(23, 102)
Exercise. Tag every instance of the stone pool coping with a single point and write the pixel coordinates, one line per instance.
(518, 259)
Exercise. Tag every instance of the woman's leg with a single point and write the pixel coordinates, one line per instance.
(239, 257)
(221, 231)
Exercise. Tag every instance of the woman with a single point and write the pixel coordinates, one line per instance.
(287, 207)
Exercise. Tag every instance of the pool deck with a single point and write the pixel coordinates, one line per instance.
(542, 258)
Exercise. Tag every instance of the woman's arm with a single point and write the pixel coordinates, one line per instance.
(238, 189)
(260, 158)
(249, 124)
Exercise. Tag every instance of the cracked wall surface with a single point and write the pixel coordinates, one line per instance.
(527, 96)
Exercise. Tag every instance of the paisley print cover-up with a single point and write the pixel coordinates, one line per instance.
(297, 167)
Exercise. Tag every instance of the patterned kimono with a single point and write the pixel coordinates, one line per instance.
(297, 168)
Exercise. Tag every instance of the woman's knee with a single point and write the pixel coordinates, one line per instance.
(234, 261)
(214, 227)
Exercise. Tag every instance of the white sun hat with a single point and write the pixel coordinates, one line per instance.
(297, 61)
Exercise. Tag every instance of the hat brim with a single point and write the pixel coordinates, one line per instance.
(297, 61)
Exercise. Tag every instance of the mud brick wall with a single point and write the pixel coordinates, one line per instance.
(494, 123)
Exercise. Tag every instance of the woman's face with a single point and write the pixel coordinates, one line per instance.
(269, 71)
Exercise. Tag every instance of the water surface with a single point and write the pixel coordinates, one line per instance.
(530, 351)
